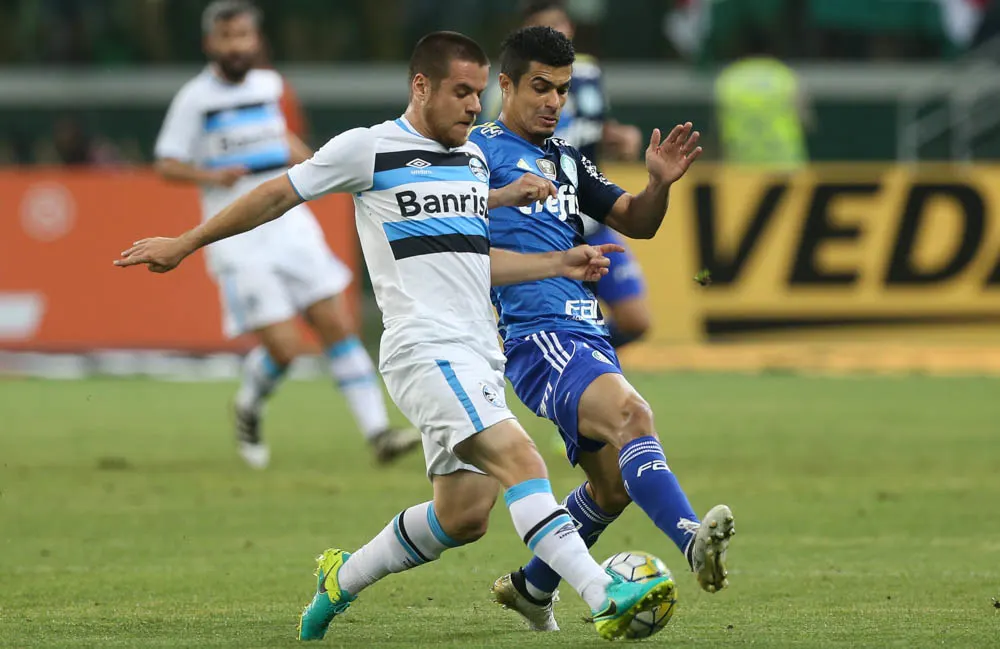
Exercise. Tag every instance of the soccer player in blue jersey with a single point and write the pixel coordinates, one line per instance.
(586, 124)
(559, 359)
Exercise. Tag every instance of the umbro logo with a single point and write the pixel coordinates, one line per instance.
(417, 163)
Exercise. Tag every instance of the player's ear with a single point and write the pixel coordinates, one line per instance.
(420, 87)
(506, 83)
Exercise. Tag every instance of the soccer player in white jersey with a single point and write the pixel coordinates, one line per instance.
(225, 132)
(421, 197)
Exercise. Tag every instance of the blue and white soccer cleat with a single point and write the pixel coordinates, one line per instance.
(329, 600)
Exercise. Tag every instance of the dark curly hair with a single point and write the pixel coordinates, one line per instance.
(542, 44)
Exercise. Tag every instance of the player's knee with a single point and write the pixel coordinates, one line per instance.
(469, 524)
(282, 355)
(637, 419)
(331, 319)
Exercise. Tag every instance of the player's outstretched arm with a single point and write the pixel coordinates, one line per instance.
(639, 216)
(265, 203)
(526, 190)
(584, 263)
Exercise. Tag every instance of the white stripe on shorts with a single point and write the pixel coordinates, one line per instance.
(548, 353)
(558, 345)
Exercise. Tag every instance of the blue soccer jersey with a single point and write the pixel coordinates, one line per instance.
(556, 304)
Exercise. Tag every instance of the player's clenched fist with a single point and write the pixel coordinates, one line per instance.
(526, 190)
(159, 254)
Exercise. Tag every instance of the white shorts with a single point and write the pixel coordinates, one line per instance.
(278, 285)
(449, 392)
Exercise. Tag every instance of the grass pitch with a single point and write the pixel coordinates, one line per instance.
(868, 512)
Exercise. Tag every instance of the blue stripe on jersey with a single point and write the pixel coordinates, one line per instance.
(269, 158)
(456, 387)
(240, 116)
(401, 124)
(398, 177)
(395, 230)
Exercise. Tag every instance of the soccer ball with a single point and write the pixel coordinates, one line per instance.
(639, 566)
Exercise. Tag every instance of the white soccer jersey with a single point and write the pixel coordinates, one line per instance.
(421, 212)
(214, 124)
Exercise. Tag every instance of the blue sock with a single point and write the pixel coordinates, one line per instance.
(653, 486)
(590, 521)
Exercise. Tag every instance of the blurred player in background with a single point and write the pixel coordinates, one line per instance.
(559, 358)
(586, 125)
(422, 193)
(763, 111)
(225, 132)
(290, 105)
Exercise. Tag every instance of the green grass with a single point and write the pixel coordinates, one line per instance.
(868, 512)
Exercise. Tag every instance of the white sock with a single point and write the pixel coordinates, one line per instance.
(411, 539)
(260, 376)
(549, 532)
(354, 373)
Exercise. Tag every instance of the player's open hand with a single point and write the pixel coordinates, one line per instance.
(526, 190)
(588, 263)
(159, 254)
(670, 159)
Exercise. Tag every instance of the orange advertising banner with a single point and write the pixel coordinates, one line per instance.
(60, 231)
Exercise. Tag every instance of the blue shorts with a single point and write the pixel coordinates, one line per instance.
(624, 279)
(550, 371)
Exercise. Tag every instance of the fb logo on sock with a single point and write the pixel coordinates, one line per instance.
(655, 465)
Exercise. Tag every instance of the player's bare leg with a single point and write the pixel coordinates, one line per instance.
(461, 506)
(353, 370)
(612, 411)
(263, 369)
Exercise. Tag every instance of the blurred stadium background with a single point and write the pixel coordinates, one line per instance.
(860, 245)
(863, 503)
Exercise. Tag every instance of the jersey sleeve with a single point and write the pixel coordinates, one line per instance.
(345, 164)
(597, 193)
(477, 138)
(179, 133)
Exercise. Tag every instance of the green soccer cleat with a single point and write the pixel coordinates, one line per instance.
(329, 600)
(626, 599)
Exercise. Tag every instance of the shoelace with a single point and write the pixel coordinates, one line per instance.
(688, 525)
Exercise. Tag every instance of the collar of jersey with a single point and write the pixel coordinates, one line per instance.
(515, 135)
(404, 124)
(219, 79)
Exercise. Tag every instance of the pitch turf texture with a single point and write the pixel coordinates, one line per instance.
(868, 512)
